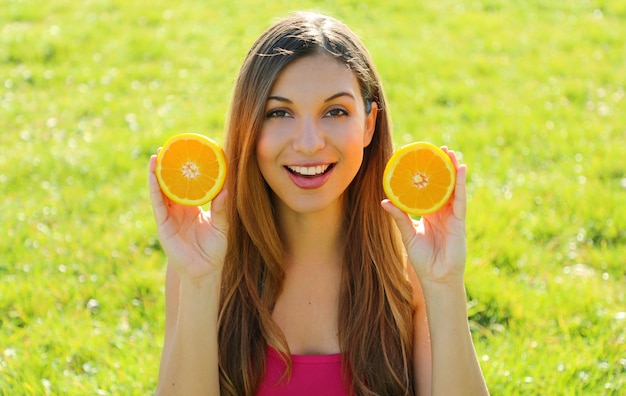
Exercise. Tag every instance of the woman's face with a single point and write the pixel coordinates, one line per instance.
(315, 129)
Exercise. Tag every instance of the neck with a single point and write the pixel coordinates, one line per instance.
(313, 239)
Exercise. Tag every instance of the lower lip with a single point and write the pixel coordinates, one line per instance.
(310, 182)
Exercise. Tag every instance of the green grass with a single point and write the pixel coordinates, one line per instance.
(531, 93)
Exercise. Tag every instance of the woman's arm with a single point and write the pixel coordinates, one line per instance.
(195, 244)
(444, 360)
(189, 362)
(436, 248)
(172, 284)
(455, 367)
(422, 349)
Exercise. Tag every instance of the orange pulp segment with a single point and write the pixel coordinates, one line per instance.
(191, 169)
(419, 178)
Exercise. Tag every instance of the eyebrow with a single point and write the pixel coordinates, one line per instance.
(279, 98)
(338, 95)
(332, 97)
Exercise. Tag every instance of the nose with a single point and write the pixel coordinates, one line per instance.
(309, 138)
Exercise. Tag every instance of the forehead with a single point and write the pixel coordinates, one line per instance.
(318, 72)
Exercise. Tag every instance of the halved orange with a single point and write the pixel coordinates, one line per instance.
(419, 178)
(191, 169)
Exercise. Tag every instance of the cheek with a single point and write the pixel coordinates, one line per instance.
(357, 154)
(271, 140)
(355, 140)
(262, 161)
(264, 146)
(353, 150)
(266, 153)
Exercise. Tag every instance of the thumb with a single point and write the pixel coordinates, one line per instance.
(402, 219)
(218, 212)
(459, 203)
(159, 204)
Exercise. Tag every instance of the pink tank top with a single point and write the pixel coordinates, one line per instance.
(310, 375)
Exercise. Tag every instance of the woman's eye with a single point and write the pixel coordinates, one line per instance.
(277, 114)
(336, 113)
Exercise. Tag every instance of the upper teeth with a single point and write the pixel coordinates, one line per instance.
(309, 170)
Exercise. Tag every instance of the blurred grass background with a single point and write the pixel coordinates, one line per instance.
(530, 93)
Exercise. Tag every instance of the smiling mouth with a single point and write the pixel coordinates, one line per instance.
(309, 170)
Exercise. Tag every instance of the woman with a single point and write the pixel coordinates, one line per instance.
(297, 280)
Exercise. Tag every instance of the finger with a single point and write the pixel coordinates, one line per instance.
(159, 205)
(218, 211)
(459, 200)
(452, 155)
(459, 203)
(402, 219)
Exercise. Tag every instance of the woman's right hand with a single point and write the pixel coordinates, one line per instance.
(194, 240)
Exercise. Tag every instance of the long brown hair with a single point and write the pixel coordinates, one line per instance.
(375, 324)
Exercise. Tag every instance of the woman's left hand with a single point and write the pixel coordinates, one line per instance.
(436, 244)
